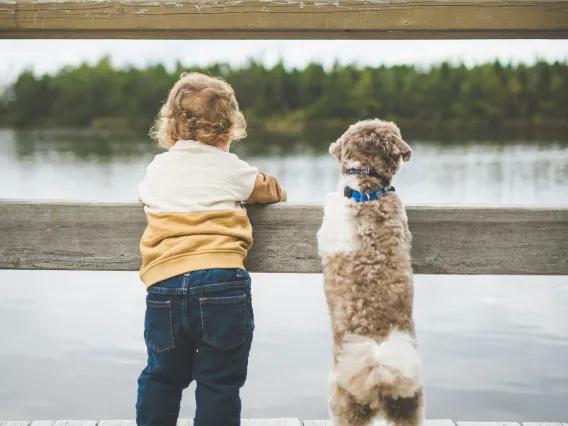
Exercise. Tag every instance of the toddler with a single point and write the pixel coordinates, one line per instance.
(199, 319)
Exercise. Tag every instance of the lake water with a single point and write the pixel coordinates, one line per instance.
(494, 348)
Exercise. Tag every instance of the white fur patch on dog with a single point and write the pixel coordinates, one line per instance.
(399, 352)
(352, 181)
(381, 422)
(337, 232)
(365, 364)
(331, 377)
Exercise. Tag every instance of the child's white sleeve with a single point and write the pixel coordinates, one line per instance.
(258, 188)
(243, 179)
(144, 193)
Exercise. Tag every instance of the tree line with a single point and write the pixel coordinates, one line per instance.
(491, 94)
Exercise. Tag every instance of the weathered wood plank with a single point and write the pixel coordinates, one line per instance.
(7, 423)
(447, 240)
(75, 423)
(265, 422)
(440, 422)
(433, 422)
(488, 424)
(545, 423)
(43, 423)
(269, 19)
(271, 422)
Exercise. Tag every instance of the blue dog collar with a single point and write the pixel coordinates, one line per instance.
(362, 197)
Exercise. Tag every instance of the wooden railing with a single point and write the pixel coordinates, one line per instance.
(446, 240)
(290, 19)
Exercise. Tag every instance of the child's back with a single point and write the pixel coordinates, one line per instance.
(199, 318)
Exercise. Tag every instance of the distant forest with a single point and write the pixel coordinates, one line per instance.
(492, 95)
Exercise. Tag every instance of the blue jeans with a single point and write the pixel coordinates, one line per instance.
(198, 326)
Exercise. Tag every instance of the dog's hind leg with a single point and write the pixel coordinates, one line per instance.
(405, 411)
(344, 409)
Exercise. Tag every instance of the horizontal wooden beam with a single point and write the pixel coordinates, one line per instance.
(447, 240)
(260, 422)
(287, 19)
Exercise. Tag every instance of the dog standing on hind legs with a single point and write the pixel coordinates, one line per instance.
(364, 243)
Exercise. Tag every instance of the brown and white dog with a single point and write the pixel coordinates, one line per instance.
(364, 242)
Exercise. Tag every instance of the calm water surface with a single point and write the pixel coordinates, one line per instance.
(495, 348)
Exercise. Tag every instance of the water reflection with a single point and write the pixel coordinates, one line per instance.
(101, 146)
(82, 144)
(107, 167)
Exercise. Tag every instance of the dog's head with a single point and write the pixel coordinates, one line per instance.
(373, 144)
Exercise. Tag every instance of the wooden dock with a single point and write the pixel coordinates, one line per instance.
(260, 422)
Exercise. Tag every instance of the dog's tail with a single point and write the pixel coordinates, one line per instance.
(392, 367)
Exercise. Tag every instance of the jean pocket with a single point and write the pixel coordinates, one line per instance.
(224, 321)
(158, 331)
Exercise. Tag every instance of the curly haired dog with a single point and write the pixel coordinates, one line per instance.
(364, 242)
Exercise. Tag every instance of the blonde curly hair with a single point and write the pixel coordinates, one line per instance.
(199, 108)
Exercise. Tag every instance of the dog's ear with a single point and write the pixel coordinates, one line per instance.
(402, 148)
(335, 149)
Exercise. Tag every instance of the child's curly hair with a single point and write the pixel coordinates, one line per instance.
(199, 108)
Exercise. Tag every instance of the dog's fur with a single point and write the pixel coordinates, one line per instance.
(365, 249)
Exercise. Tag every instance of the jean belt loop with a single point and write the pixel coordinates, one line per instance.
(185, 280)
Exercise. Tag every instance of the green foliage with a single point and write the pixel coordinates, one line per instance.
(485, 95)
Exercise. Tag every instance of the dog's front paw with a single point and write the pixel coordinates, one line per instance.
(337, 233)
